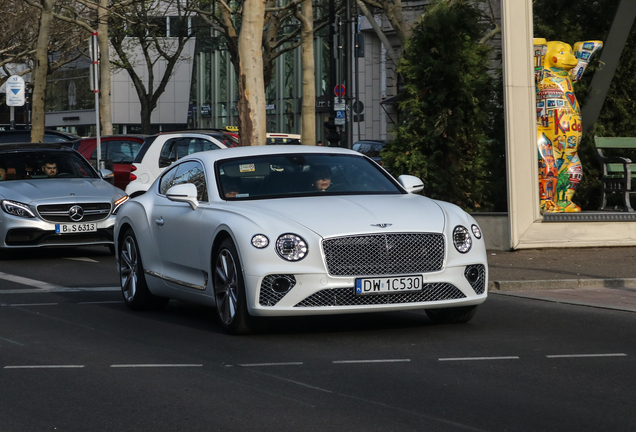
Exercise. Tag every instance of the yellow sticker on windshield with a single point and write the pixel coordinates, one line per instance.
(247, 168)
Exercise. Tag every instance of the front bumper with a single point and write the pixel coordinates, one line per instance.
(32, 233)
(321, 294)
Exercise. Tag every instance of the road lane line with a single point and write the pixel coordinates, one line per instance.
(10, 341)
(30, 304)
(26, 281)
(586, 355)
(153, 365)
(84, 259)
(45, 367)
(58, 289)
(271, 364)
(479, 358)
(371, 361)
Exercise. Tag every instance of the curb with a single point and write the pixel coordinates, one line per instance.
(560, 284)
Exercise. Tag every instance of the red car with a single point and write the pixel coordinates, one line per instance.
(118, 151)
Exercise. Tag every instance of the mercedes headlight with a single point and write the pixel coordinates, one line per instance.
(17, 209)
(291, 247)
(461, 239)
(119, 203)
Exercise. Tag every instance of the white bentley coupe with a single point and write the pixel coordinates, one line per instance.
(269, 231)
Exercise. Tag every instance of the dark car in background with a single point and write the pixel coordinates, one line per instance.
(50, 136)
(118, 152)
(370, 148)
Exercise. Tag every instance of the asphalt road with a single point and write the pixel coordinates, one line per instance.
(73, 358)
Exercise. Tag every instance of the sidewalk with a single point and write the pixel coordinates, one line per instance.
(599, 277)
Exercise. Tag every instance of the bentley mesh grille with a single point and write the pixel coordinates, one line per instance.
(347, 296)
(480, 284)
(59, 212)
(384, 254)
(269, 297)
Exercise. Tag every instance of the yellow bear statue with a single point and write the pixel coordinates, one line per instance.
(557, 66)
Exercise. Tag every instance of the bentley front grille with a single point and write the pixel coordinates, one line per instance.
(384, 254)
(59, 213)
(347, 297)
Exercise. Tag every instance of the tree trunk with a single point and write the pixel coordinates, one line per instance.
(104, 69)
(251, 103)
(308, 116)
(40, 70)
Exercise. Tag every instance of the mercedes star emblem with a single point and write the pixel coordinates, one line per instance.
(76, 213)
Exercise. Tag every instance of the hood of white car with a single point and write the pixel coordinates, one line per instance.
(332, 216)
(28, 191)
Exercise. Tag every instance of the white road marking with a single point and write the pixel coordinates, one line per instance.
(45, 367)
(83, 259)
(271, 364)
(153, 365)
(479, 358)
(31, 304)
(30, 282)
(586, 355)
(10, 341)
(371, 361)
(59, 289)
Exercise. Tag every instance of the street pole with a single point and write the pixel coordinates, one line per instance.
(94, 51)
(332, 136)
(350, 58)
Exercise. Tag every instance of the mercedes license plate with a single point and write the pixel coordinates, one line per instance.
(75, 228)
(388, 285)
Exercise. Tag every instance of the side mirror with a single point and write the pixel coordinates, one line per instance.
(411, 183)
(107, 175)
(186, 193)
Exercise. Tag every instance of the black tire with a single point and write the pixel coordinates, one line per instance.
(229, 291)
(132, 280)
(456, 315)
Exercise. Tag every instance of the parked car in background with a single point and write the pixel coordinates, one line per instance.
(118, 153)
(229, 139)
(51, 196)
(370, 148)
(269, 231)
(283, 138)
(50, 136)
(161, 151)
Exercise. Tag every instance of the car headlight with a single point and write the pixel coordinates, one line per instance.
(291, 247)
(17, 209)
(476, 231)
(461, 239)
(119, 203)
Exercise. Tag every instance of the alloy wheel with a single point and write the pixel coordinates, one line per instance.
(226, 286)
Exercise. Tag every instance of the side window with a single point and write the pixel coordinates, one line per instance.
(192, 172)
(123, 151)
(168, 153)
(167, 181)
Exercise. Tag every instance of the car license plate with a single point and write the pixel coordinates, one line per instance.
(75, 228)
(388, 285)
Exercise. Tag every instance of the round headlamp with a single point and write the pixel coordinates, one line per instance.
(291, 247)
(462, 239)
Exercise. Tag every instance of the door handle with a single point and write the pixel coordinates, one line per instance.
(159, 221)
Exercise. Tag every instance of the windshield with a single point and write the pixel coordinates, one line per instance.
(303, 174)
(43, 164)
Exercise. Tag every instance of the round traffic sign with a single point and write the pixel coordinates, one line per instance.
(339, 90)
